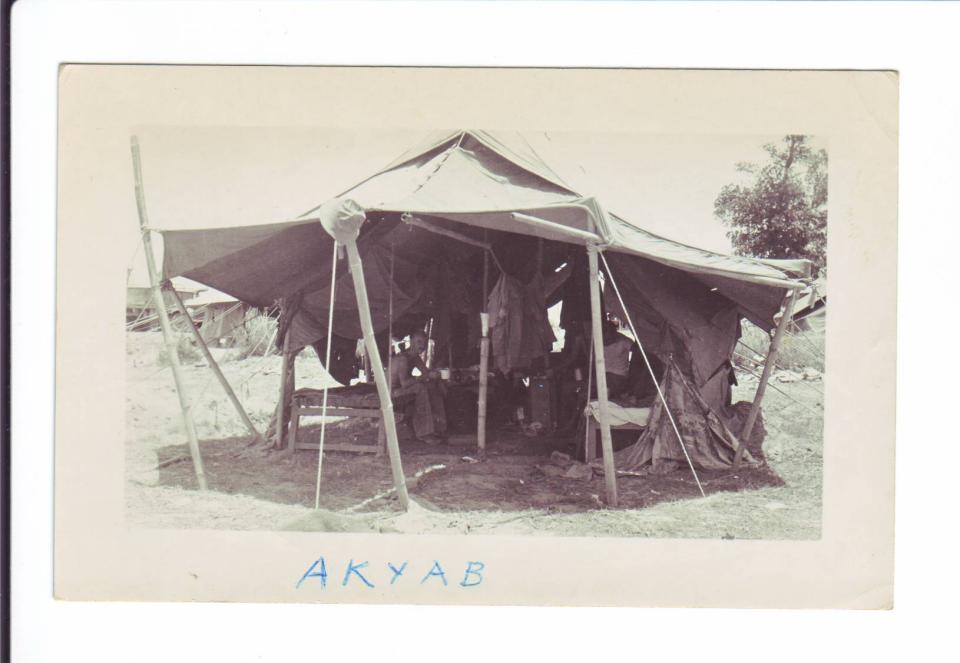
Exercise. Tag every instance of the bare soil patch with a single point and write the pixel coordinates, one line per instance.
(507, 493)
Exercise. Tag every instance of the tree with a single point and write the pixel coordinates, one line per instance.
(783, 213)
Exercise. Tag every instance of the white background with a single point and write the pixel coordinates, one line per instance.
(918, 40)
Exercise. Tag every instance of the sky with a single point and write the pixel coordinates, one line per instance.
(199, 177)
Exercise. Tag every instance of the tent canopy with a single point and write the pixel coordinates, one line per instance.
(426, 227)
(469, 181)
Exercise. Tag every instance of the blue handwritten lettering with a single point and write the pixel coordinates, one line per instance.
(354, 569)
(322, 573)
(473, 569)
(435, 570)
(396, 572)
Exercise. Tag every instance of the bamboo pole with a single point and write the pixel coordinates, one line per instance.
(390, 325)
(281, 403)
(606, 440)
(212, 363)
(381, 432)
(172, 352)
(765, 377)
(439, 230)
(587, 437)
(383, 390)
(575, 233)
(484, 361)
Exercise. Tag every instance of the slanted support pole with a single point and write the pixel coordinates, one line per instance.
(765, 377)
(606, 440)
(484, 362)
(380, 378)
(212, 363)
(171, 342)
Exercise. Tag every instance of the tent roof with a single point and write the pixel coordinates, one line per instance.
(473, 178)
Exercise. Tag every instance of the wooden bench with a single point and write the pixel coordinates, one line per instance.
(341, 402)
(359, 400)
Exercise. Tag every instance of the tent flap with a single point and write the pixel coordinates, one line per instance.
(256, 264)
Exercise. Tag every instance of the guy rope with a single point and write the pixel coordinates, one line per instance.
(646, 361)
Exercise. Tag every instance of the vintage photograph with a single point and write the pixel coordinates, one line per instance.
(476, 331)
(415, 335)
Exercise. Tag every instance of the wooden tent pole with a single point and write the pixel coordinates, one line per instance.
(383, 390)
(212, 363)
(606, 440)
(765, 377)
(281, 403)
(390, 326)
(381, 432)
(173, 353)
(484, 360)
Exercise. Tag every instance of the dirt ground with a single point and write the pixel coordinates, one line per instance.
(513, 491)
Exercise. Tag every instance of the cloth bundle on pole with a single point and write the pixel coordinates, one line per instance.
(342, 219)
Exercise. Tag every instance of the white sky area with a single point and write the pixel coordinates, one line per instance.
(201, 177)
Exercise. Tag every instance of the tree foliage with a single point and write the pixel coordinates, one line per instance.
(783, 212)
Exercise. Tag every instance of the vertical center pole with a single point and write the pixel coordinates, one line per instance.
(765, 377)
(606, 440)
(383, 390)
(484, 360)
(173, 354)
(390, 325)
(284, 392)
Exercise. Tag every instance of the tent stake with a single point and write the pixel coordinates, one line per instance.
(765, 377)
(606, 441)
(484, 361)
(212, 363)
(383, 390)
(173, 354)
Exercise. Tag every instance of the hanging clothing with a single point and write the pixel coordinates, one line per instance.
(575, 292)
(519, 329)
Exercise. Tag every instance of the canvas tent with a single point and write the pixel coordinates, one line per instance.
(811, 306)
(141, 307)
(425, 227)
(219, 314)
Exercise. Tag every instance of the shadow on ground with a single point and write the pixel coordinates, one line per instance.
(510, 479)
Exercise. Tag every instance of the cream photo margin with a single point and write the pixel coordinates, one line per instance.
(38, 129)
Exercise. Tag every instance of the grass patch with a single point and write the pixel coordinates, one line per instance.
(799, 349)
(189, 353)
(255, 338)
